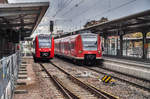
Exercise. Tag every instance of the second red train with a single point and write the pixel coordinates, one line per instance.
(82, 48)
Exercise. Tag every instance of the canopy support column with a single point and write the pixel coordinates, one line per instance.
(121, 45)
(105, 44)
(144, 47)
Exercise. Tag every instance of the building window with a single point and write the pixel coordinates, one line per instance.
(110, 46)
(132, 45)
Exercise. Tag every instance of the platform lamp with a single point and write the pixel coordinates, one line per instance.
(51, 26)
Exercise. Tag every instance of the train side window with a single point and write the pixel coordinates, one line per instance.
(33, 44)
(72, 45)
(65, 46)
(59, 46)
(56, 45)
(69, 46)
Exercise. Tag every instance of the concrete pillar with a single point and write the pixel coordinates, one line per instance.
(117, 46)
(126, 47)
(143, 47)
(105, 44)
(118, 43)
(121, 45)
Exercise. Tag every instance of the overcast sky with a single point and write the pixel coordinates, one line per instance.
(70, 15)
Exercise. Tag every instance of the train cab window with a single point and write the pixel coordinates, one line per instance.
(44, 42)
(89, 41)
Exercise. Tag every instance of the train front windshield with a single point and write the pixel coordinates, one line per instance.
(44, 42)
(89, 41)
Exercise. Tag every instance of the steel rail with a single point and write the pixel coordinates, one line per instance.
(120, 79)
(66, 92)
(92, 89)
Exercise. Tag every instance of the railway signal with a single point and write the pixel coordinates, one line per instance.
(51, 26)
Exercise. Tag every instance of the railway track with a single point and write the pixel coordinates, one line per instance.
(67, 93)
(73, 88)
(136, 84)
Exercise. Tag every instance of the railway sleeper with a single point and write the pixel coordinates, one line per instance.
(67, 90)
(99, 93)
(91, 90)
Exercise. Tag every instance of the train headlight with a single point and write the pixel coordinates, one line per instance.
(39, 49)
(99, 52)
(80, 51)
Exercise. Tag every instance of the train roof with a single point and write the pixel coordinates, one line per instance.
(74, 35)
(66, 38)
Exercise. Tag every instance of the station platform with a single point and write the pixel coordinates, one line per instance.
(37, 85)
(134, 68)
(27, 86)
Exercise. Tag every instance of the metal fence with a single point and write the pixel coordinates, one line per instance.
(8, 75)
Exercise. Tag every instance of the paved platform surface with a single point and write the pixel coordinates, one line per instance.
(134, 68)
(29, 90)
(129, 62)
(36, 85)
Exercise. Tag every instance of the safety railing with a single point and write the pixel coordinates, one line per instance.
(9, 67)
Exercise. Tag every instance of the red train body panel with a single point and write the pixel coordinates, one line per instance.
(84, 47)
(43, 47)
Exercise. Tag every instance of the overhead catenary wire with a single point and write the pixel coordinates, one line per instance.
(60, 6)
(57, 12)
(66, 4)
(107, 11)
(76, 5)
(115, 8)
(81, 12)
(86, 10)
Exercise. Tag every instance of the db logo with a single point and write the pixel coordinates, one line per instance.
(45, 54)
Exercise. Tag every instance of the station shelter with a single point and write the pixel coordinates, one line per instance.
(17, 21)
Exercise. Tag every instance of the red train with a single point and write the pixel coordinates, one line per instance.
(43, 47)
(82, 48)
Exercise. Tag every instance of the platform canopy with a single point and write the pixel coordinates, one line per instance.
(128, 24)
(21, 17)
(138, 22)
